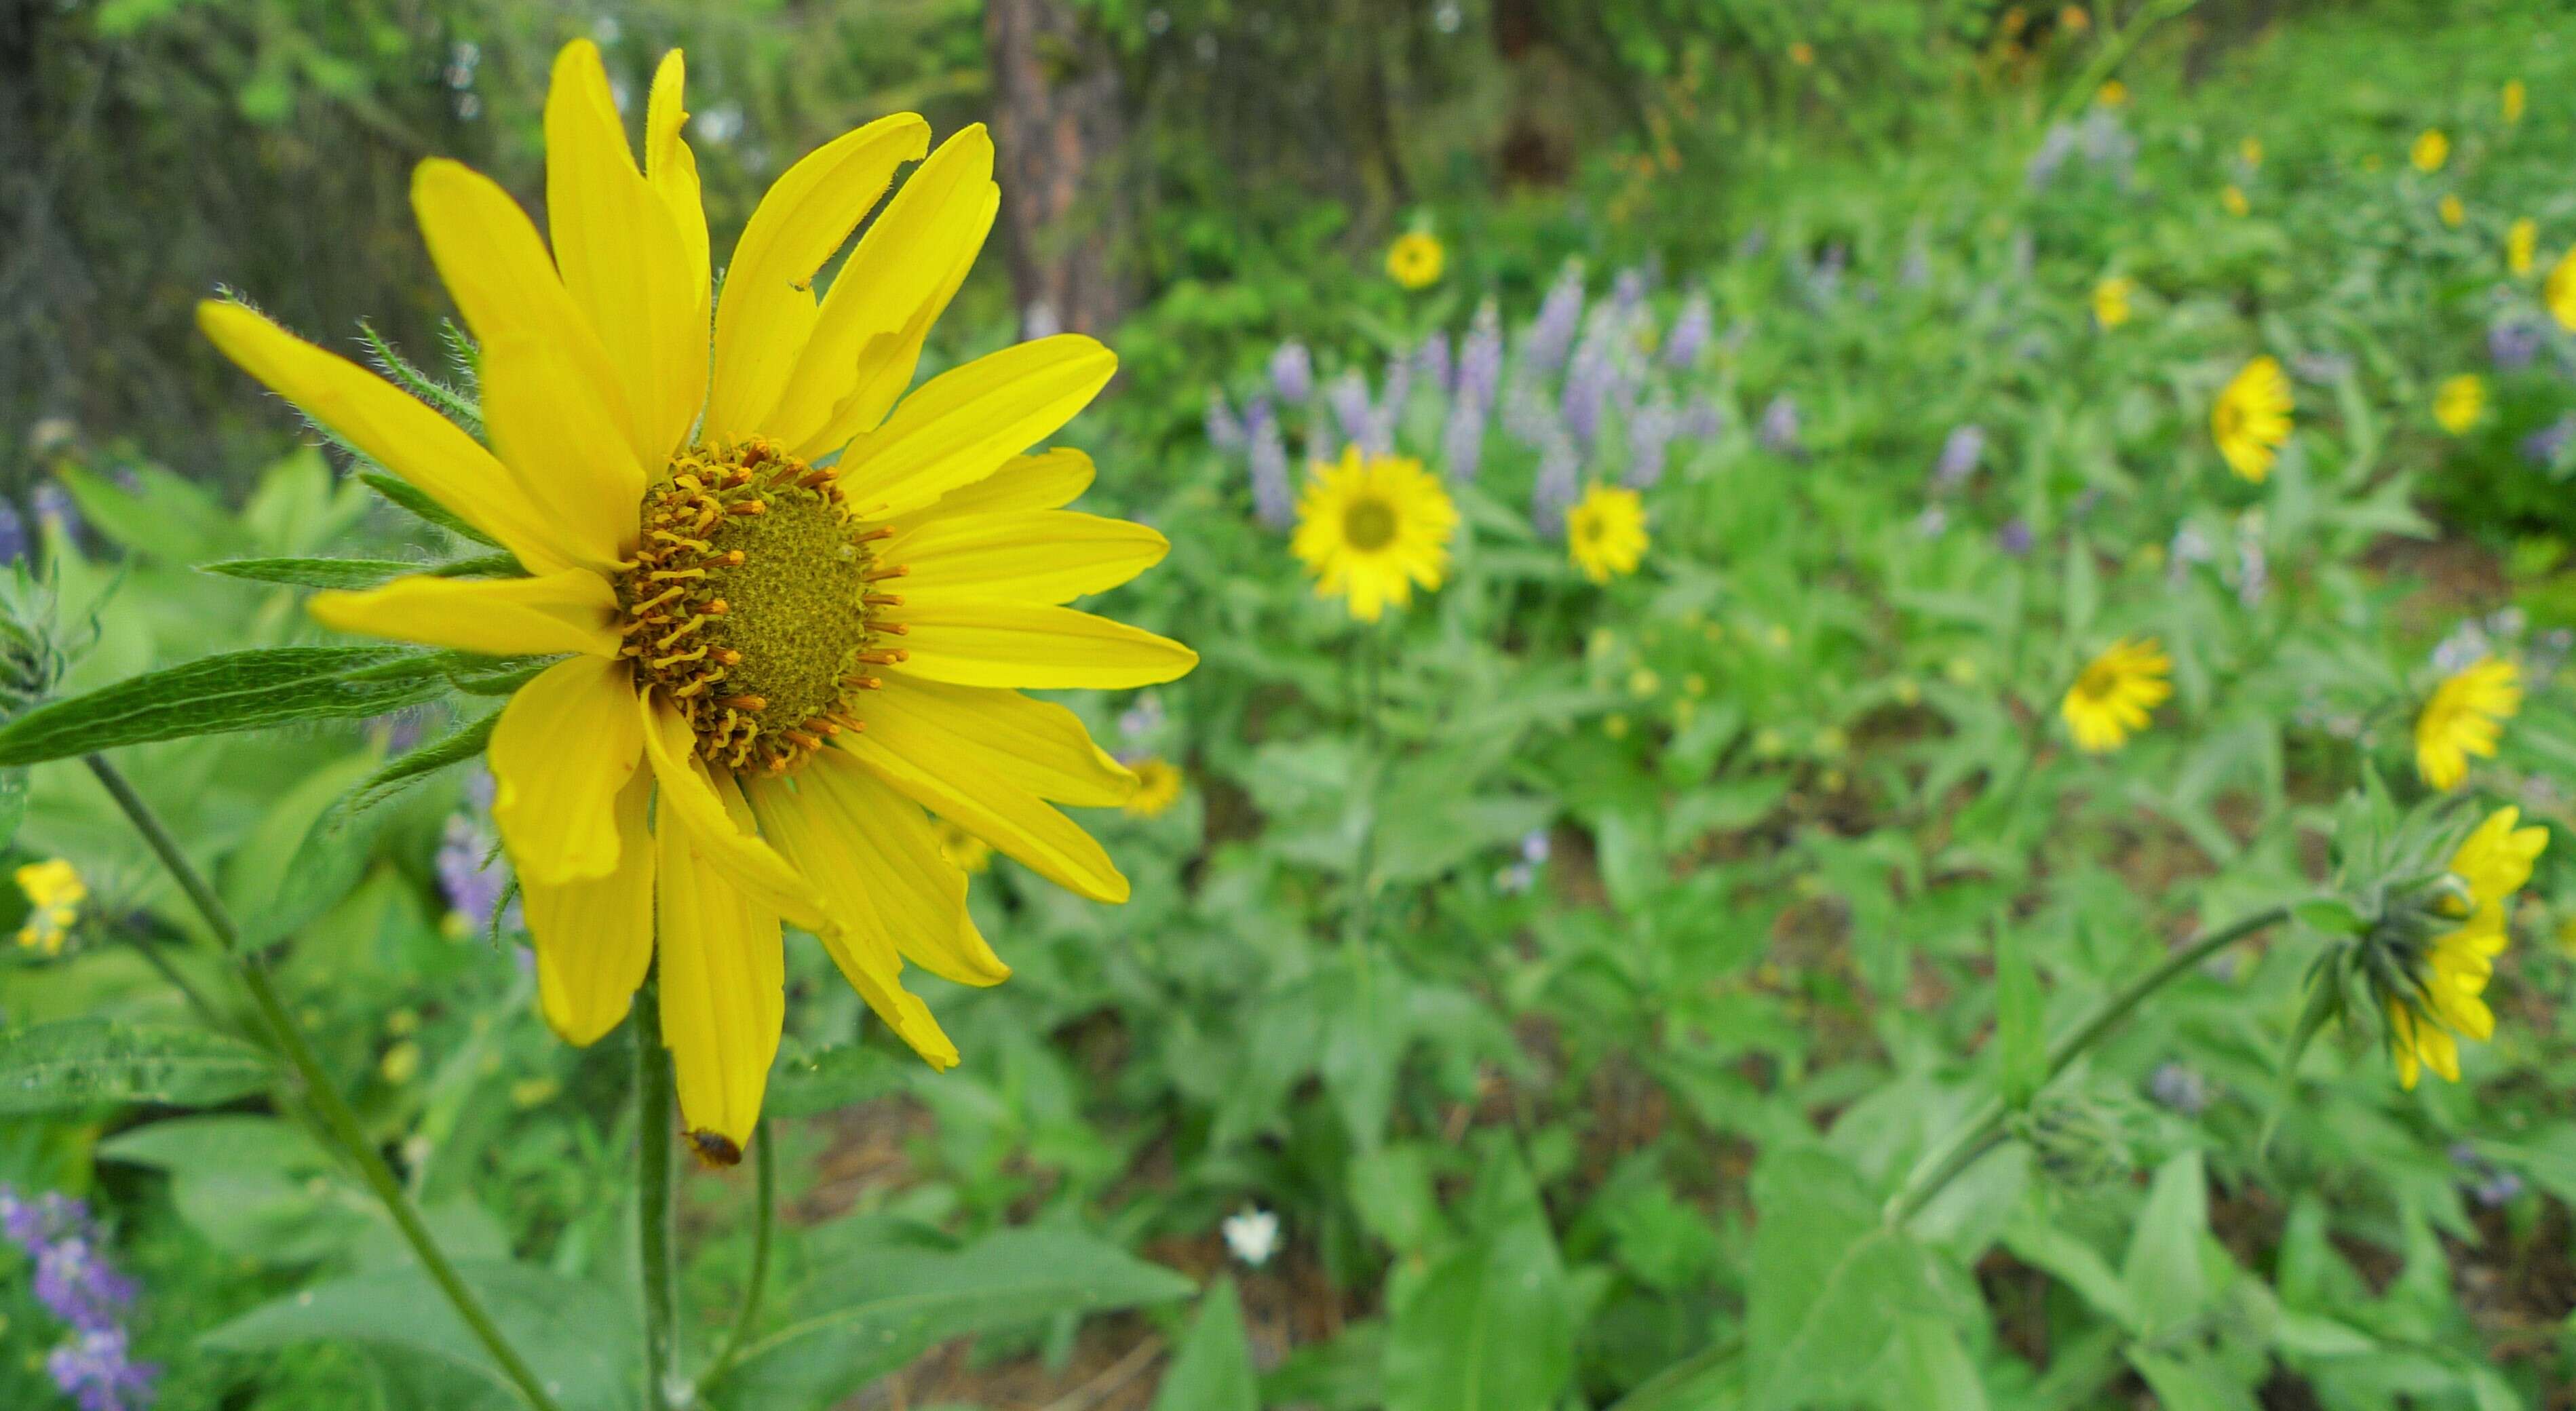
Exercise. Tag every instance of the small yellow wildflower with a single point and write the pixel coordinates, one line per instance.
(2251, 150)
(1372, 529)
(1802, 53)
(2465, 716)
(1644, 683)
(2111, 300)
(2430, 151)
(968, 852)
(2559, 290)
(1615, 726)
(401, 1063)
(1416, 259)
(2453, 213)
(2459, 402)
(1158, 787)
(2114, 695)
(2251, 418)
(2446, 999)
(2233, 198)
(2112, 94)
(54, 892)
(1605, 533)
(534, 1092)
(2513, 100)
(2521, 240)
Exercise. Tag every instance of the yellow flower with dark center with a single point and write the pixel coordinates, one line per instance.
(2115, 694)
(968, 852)
(1416, 259)
(1158, 786)
(2447, 977)
(2251, 418)
(54, 893)
(2452, 212)
(2559, 290)
(1605, 532)
(2513, 99)
(1372, 529)
(2521, 240)
(2459, 402)
(2111, 300)
(795, 606)
(2465, 716)
(2233, 198)
(2430, 151)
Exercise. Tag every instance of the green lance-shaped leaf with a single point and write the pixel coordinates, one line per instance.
(251, 690)
(455, 747)
(85, 1062)
(1213, 1370)
(2021, 1040)
(351, 574)
(413, 498)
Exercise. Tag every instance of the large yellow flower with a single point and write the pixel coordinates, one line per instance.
(1605, 532)
(1372, 528)
(1416, 259)
(2251, 418)
(794, 606)
(2448, 976)
(2465, 716)
(2114, 695)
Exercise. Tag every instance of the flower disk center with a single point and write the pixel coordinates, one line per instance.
(1369, 525)
(750, 605)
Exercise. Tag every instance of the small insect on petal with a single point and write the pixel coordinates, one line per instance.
(714, 1149)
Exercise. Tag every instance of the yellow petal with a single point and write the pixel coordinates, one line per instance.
(673, 168)
(571, 456)
(868, 334)
(978, 798)
(723, 984)
(1037, 556)
(571, 611)
(1033, 646)
(768, 307)
(595, 938)
(563, 750)
(1038, 746)
(878, 863)
(695, 800)
(1045, 481)
(497, 271)
(391, 428)
(622, 256)
(963, 424)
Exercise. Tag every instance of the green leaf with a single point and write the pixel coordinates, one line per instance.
(455, 747)
(1831, 1283)
(2166, 1273)
(2332, 916)
(250, 690)
(82, 1062)
(2187, 1380)
(1213, 1371)
(316, 573)
(2021, 1038)
(1933, 1370)
(871, 1314)
(304, 855)
(1491, 1326)
(413, 498)
(13, 804)
(576, 1334)
(807, 1083)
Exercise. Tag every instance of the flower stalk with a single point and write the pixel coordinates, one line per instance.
(655, 1121)
(339, 1124)
(764, 1225)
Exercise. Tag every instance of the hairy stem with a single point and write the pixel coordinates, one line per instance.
(765, 1220)
(654, 1125)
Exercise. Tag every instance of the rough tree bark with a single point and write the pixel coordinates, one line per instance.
(1057, 126)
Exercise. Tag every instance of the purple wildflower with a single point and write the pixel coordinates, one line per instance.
(1272, 501)
(1432, 361)
(1462, 438)
(54, 509)
(1388, 414)
(13, 534)
(1348, 396)
(1628, 291)
(2512, 343)
(2180, 1088)
(2544, 447)
(2015, 537)
(471, 871)
(96, 1369)
(1560, 467)
(1292, 373)
(1779, 431)
(1560, 317)
(2054, 149)
(1691, 333)
(75, 1283)
(1702, 420)
(1961, 450)
(1587, 386)
(1651, 429)
(1224, 428)
(1480, 358)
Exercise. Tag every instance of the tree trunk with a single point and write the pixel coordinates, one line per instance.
(1057, 127)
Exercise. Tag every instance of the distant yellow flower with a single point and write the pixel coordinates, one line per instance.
(401, 1063)
(2251, 418)
(2114, 695)
(2251, 150)
(2559, 291)
(1373, 528)
(1416, 259)
(1158, 786)
(2443, 999)
(2512, 103)
(2521, 240)
(1605, 533)
(2458, 402)
(54, 893)
(2465, 716)
(2073, 20)
(2453, 213)
(534, 1092)
(2233, 198)
(2111, 300)
(1802, 53)
(2430, 151)
(963, 849)
(2112, 94)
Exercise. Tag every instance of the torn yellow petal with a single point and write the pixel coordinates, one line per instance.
(561, 754)
(571, 611)
(594, 938)
(878, 864)
(962, 425)
(391, 428)
(768, 311)
(979, 799)
(691, 800)
(1038, 746)
(723, 987)
(1032, 646)
(1037, 556)
(673, 169)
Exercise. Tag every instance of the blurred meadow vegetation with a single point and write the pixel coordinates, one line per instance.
(1551, 996)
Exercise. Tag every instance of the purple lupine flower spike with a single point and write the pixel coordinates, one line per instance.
(1560, 317)
(2015, 537)
(1650, 437)
(1779, 431)
(1462, 438)
(1588, 381)
(1960, 452)
(1433, 363)
(2512, 343)
(1702, 419)
(1560, 468)
(1273, 502)
(96, 1369)
(1224, 428)
(1691, 333)
(1480, 358)
(13, 534)
(1388, 414)
(1292, 373)
(1348, 396)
